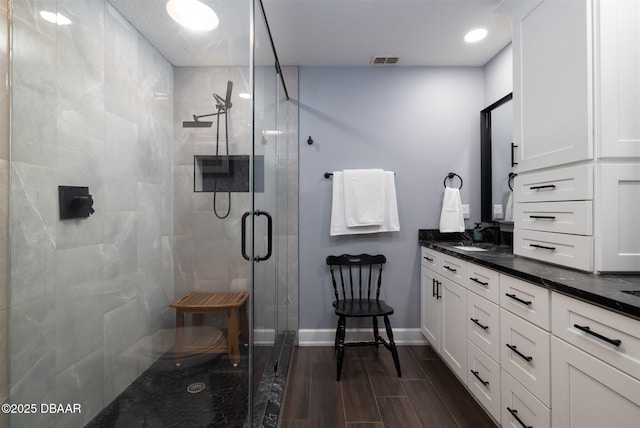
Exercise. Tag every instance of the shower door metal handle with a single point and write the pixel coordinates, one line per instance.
(269, 235)
(244, 234)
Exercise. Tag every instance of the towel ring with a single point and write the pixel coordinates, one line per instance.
(451, 175)
(511, 177)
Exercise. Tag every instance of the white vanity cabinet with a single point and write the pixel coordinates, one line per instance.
(533, 357)
(444, 308)
(576, 105)
(595, 376)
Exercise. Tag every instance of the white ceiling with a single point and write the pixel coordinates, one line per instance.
(331, 32)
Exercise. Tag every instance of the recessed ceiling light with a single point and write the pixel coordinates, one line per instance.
(54, 18)
(244, 95)
(192, 14)
(475, 35)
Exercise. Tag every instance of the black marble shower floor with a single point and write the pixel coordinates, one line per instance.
(160, 398)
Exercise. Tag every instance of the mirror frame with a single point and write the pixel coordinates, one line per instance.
(486, 214)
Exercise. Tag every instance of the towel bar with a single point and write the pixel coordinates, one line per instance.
(451, 175)
(330, 174)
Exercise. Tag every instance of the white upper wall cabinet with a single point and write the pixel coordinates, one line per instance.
(618, 94)
(553, 84)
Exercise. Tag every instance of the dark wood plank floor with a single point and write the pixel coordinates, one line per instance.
(370, 394)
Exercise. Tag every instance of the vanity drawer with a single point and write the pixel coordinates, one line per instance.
(573, 251)
(559, 184)
(483, 379)
(430, 258)
(520, 408)
(596, 331)
(526, 300)
(525, 354)
(575, 217)
(453, 268)
(483, 325)
(483, 281)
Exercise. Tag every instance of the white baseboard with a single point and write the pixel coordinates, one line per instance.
(326, 337)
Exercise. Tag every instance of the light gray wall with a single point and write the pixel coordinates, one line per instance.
(498, 76)
(420, 123)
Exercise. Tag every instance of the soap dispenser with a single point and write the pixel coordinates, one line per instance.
(477, 233)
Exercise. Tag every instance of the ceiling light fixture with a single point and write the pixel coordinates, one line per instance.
(476, 35)
(193, 14)
(244, 95)
(54, 18)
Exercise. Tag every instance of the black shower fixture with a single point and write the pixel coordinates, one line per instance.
(75, 202)
(222, 105)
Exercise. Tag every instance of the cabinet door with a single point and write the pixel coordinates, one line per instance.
(552, 91)
(618, 211)
(454, 327)
(431, 310)
(590, 393)
(619, 90)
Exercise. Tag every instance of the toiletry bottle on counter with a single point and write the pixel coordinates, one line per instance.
(477, 233)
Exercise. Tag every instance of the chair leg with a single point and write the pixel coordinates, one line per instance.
(376, 332)
(335, 345)
(342, 326)
(392, 345)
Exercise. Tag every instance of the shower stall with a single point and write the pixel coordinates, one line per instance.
(115, 210)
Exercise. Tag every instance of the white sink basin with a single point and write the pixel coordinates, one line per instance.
(470, 248)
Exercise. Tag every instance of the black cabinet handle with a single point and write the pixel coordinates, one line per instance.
(514, 413)
(429, 259)
(479, 282)
(438, 295)
(514, 348)
(484, 382)
(586, 329)
(476, 322)
(546, 186)
(543, 247)
(449, 268)
(517, 299)
(543, 217)
(433, 287)
(513, 155)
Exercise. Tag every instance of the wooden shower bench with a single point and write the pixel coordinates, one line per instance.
(234, 304)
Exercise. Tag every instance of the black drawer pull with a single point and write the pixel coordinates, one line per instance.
(546, 186)
(429, 259)
(543, 247)
(517, 299)
(438, 295)
(484, 382)
(514, 413)
(433, 287)
(586, 329)
(543, 217)
(514, 348)
(479, 282)
(513, 155)
(475, 321)
(449, 268)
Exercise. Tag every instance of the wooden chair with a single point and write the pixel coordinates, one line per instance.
(356, 281)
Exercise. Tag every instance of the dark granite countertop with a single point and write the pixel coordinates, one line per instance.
(603, 290)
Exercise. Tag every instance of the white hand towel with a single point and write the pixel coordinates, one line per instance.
(364, 198)
(390, 223)
(451, 219)
(508, 212)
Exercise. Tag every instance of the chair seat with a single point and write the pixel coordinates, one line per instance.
(362, 308)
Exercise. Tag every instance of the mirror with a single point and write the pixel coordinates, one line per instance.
(496, 159)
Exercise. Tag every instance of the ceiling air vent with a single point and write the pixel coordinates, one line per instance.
(384, 60)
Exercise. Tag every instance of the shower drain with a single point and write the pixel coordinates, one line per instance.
(196, 387)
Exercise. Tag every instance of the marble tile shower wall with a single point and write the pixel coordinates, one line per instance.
(92, 106)
(4, 201)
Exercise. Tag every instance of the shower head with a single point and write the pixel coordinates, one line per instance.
(196, 123)
(224, 103)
